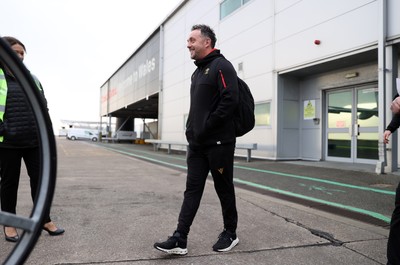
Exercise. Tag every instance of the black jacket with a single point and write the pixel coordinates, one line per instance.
(395, 122)
(19, 126)
(214, 97)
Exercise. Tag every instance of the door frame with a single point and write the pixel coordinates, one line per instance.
(353, 139)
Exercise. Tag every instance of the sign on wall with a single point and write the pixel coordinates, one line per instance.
(309, 109)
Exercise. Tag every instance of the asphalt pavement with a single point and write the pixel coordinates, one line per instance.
(116, 200)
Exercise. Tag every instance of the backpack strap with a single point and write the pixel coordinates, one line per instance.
(214, 70)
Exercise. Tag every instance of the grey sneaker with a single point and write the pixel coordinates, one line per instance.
(226, 241)
(173, 245)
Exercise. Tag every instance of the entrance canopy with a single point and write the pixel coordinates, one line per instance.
(145, 108)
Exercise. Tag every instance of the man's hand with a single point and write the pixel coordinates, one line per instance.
(395, 106)
(386, 135)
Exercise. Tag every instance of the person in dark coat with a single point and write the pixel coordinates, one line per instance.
(393, 246)
(18, 140)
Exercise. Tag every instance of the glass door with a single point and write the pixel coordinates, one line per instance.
(339, 125)
(367, 124)
(352, 125)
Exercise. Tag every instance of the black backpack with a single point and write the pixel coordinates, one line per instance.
(244, 118)
(244, 114)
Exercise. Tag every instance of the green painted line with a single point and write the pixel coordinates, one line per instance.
(351, 208)
(154, 154)
(335, 183)
(146, 158)
(387, 192)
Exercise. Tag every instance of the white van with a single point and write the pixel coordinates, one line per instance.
(77, 133)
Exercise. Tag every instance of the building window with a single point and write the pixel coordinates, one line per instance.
(262, 113)
(228, 6)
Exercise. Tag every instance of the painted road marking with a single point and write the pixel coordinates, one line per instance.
(347, 207)
(387, 192)
(321, 189)
(339, 205)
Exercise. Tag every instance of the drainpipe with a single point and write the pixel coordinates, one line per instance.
(382, 31)
(161, 85)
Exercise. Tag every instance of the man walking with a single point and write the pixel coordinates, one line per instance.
(211, 136)
(393, 253)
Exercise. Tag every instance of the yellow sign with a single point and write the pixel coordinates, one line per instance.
(309, 109)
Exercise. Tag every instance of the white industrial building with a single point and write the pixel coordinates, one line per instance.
(322, 74)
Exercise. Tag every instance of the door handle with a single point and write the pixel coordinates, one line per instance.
(356, 129)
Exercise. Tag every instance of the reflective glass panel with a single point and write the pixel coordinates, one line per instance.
(228, 6)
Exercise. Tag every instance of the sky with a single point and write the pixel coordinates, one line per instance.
(74, 46)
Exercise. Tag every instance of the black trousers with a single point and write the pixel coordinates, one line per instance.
(200, 161)
(393, 247)
(10, 169)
